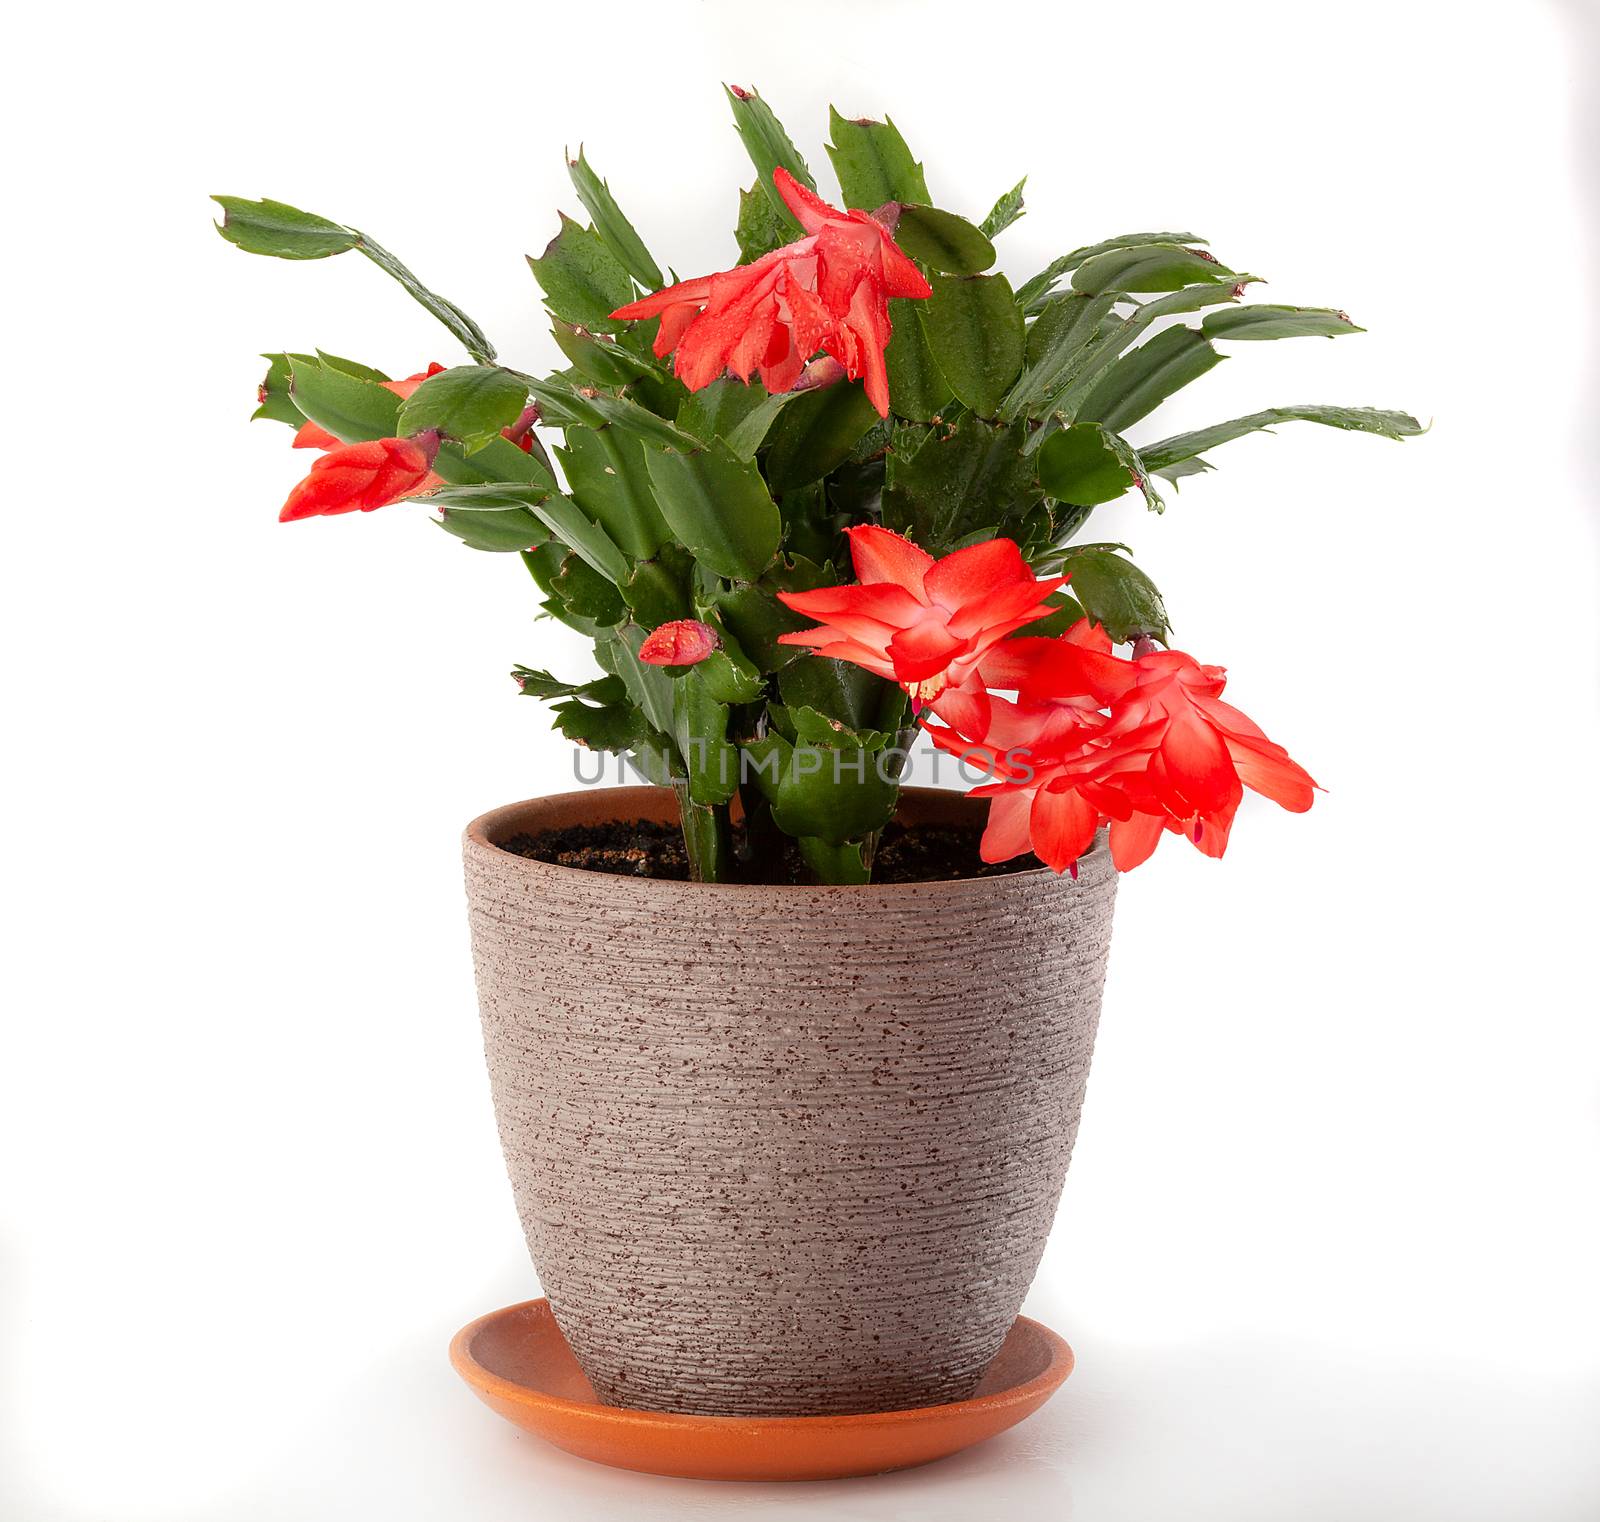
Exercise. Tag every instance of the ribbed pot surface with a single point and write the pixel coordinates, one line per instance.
(783, 1151)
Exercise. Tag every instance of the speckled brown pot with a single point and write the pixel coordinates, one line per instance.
(782, 1151)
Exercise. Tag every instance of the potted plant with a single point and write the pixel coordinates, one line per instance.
(788, 1058)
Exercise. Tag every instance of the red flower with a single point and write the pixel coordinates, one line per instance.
(364, 476)
(829, 290)
(683, 642)
(1205, 752)
(380, 471)
(924, 623)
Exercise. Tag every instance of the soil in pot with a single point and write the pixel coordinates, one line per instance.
(918, 853)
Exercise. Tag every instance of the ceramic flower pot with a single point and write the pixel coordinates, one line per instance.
(778, 1150)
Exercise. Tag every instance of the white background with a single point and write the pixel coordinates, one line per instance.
(1329, 1245)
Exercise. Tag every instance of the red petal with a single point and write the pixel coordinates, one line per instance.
(810, 320)
(1063, 669)
(1229, 719)
(703, 352)
(900, 276)
(1265, 768)
(1197, 765)
(1062, 826)
(1011, 728)
(862, 630)
(1004, 610)
(966, 709)
(882, 602)
(1013, 663)
(827, 644)
(1133, 840)
(318, 496)
(685, 291)
(404, 388)
(1007, 832)
(881, 556)
(1197, 681)
(675, 321)
(809, 209)
(750, 348)
(977, 572)
(310, 436)
(738, 299)
(923, 651)
(843, 264)
(869, 319)
(779, 374)
(1089, 635)
(821, 635)
(844, 344)
(1207, 833)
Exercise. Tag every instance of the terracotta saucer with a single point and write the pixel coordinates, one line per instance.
(520, 1365)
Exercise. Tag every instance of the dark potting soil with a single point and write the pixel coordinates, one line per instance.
(906, 854)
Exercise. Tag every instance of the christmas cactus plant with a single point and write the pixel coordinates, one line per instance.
(837, 492)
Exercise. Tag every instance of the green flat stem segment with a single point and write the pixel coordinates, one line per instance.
(708, 837)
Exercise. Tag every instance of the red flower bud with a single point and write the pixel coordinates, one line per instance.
(362, 477)
(683, 642)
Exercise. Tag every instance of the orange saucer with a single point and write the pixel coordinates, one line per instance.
(519, 1364)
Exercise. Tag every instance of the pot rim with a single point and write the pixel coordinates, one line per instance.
(660, 805)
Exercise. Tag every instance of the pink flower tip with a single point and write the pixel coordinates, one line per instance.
(683, 642)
